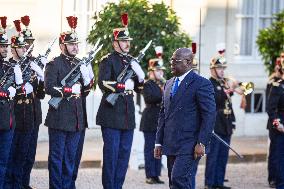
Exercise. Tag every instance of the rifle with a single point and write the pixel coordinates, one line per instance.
(9, 77)
(126, 74)
(74, 75)
(27, 72)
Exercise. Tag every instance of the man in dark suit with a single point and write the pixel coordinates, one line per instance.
(186, 120)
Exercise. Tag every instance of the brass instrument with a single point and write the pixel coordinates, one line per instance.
(241, 88)
(247, 87)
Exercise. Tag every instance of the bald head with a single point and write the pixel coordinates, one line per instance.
(181, 61)
(184, 53)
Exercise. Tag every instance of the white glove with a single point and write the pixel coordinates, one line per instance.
(18, 75)
(38, 70)
(28, 88)
(76, 89)
(129, 84)
(138, 70)
(85, 74)
(91, 72)
(43, 60)
(12, 91)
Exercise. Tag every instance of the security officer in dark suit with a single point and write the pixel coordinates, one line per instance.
(217, 158)
(24, 113)
(272, 164)
(275, 112)
(65, 123)
(152, 93)
(7, 123)
(117, 122)
(38, 95)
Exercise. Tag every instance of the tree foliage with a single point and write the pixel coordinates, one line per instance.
(147, 22)
(270, 41)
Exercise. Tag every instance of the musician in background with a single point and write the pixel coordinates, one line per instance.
(217, 158)
(274, 78)
(65, 123)
(38, 95)
(7, 123)
(152, 93)
(275, 111)
(117, 121)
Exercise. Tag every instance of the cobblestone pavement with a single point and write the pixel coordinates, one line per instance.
(241, 176)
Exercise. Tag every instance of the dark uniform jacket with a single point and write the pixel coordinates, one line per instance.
(272, 81)
(69, 116)
(84, 101)
(153, 97)
(39, 95)
(122, 114)
(7, 116)
(224, 122)
(275, 108)
(24, 103)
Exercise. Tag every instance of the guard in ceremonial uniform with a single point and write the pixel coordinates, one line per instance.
(24, 112)
(217, 158)
(117, 121)
(7, 123)
(83, 132)
(67, 121)
(275, 110)
(38, 94)
(274, 77)
(152, 93)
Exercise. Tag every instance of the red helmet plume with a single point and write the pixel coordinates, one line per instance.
(25, 20)
(18, 25)
(193, 48)
(72, 21)
(3, 22)
(124, 19)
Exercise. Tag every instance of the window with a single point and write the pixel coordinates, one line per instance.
(85, 11)
(252, 16)
(255, 102)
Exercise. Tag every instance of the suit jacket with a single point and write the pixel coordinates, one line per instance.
(188, 117)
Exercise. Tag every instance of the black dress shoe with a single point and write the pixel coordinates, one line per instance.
(28, 187)
(272, 184)
(208, 187)
(157, 179)
(151, 180)
(221, 187)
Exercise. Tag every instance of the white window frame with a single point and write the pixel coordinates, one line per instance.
(82, 11)
(254, 58)
(257, 91)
